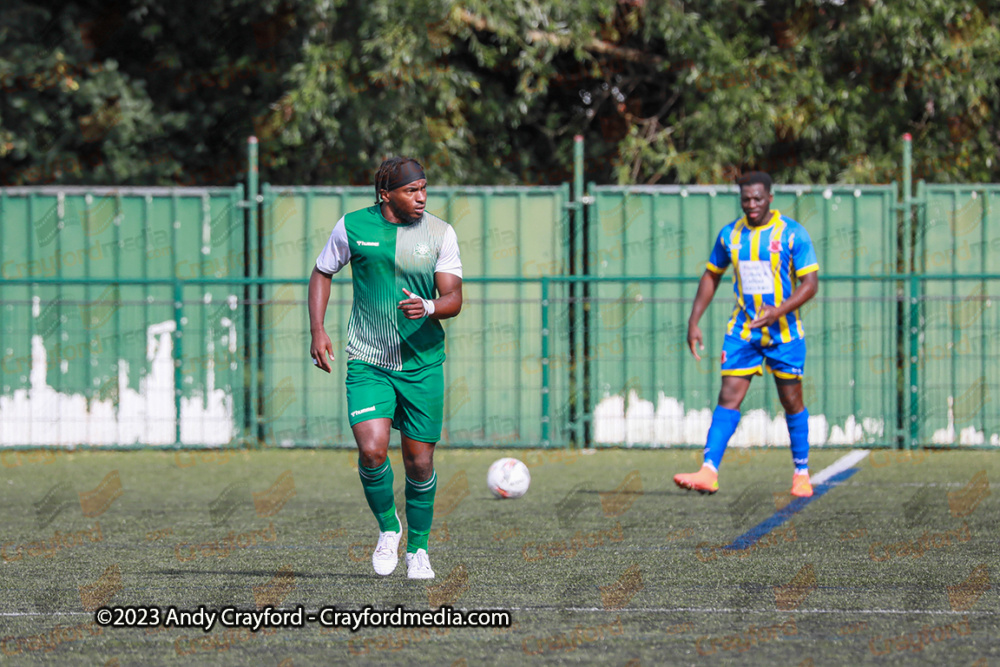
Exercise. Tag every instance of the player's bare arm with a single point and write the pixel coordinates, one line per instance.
(321, 349)
(806, 290)
(707, 287)
(448, 304)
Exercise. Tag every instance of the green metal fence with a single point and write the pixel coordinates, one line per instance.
(506, 233)
(648, 390)
(176, 316)
(955, 368)
(958, 235)
(669, 231)
(92, 346)
(665, 398)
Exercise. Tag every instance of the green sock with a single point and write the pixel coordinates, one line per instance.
(419, 512)
(377, 483)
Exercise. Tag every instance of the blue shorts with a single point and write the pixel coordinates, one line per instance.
(745, 358)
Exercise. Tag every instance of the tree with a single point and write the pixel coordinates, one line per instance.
(138, 91)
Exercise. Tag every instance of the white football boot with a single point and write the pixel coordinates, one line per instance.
(385, 556)
(418, 565)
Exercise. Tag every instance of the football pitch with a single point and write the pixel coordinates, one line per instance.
(604, 561)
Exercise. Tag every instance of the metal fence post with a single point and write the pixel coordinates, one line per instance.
(248, 352)
(255, 269)
(578, 293)
(178, 355)
(914, 370)
(909, 265)
(908, 236)
(546, 422)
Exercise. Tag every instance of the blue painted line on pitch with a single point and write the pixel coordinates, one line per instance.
(750, 537)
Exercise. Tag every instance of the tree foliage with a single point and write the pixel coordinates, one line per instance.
(663, 91)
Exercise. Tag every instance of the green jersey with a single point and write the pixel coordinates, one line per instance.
(385, 258)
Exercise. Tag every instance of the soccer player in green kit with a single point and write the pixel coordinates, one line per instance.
(399, 256)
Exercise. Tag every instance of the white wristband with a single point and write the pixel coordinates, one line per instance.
(428, 307)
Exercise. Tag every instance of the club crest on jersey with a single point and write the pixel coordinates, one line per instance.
(723, 356)
(422, 250)
(775, 245)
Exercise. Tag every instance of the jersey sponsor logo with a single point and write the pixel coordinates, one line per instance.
(371, 243)
(422, 250)
(756, 277)
(363, 411)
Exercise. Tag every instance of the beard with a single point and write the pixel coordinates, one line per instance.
(402, 215)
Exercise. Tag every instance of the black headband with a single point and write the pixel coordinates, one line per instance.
(408, 172)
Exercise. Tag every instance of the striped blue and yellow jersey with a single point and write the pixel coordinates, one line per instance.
(767, 262)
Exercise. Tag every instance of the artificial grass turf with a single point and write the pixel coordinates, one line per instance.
(604, 560)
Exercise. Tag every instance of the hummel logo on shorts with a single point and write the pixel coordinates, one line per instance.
(361, 412)
(372, 243)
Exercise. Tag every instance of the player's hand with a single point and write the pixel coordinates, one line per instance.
(415, 307)
(767, 316)
(694, 340)
(321, 351)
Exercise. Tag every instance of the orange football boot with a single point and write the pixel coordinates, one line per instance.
(801, 487)
(705, 480)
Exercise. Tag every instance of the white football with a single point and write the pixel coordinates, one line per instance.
(508, 478)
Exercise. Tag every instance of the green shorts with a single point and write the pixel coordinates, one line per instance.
(413, 400)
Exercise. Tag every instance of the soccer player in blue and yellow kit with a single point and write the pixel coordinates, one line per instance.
(774, 273)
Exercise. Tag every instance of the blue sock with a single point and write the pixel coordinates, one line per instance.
(798, 431)
(724, 423)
